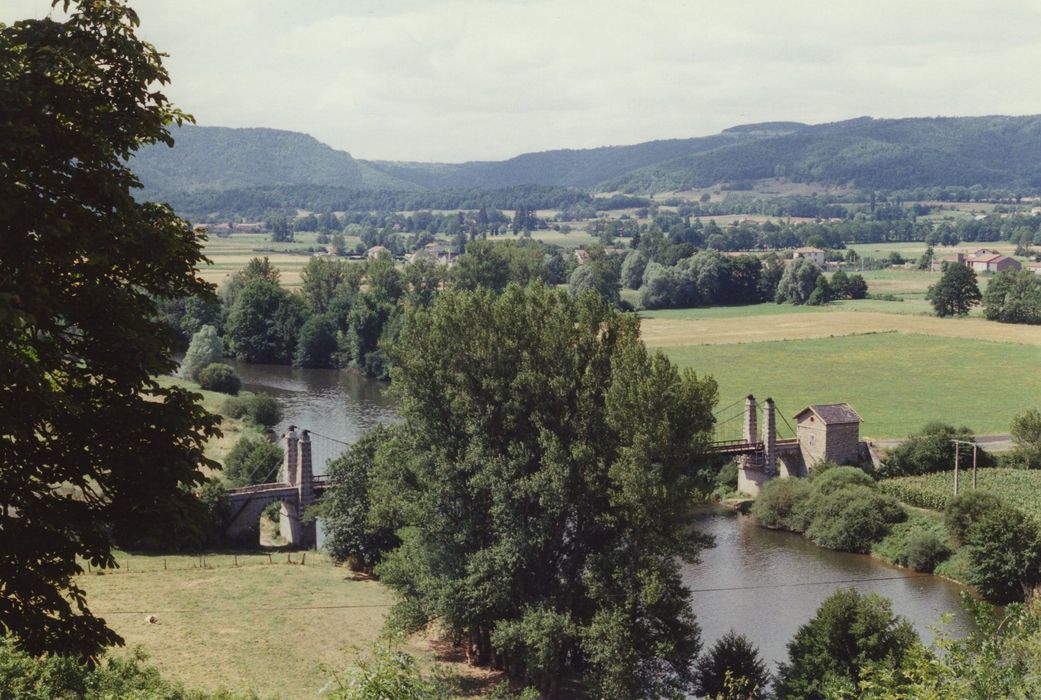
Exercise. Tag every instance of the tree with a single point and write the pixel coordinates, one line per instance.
(205, 348)
(317, 342)
(735, 659)
(322, 278)
(545, 480)
(599, 275)
(956, 292)
(930, 450)
(797, 282)
(252, 460)
(82, 263)
(1026, 433)
(1013, 296)
(850, 633)
(264, 322)
(1004, 548)
(351, 534)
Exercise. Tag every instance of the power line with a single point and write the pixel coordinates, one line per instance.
(241, 610)
(807, 583)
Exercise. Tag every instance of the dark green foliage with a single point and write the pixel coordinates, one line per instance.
(323, 278)
(264, 322)
(317, 343)
(599, 275)
(963, 511)
(778, 502)
(822, 293)
(925, 550)
(543, 481)
(262, 409)
(956, 292)
(735, 658)
(708, 278)
(931, 450)
(1004, 555)
(1013, 296)
(632, 270)
(352, 535)
(849, 633)
(798, 282)
(82, 263)
(839, 508)
(851, 518)
(1026, 432)
(219, 377)
(252, 461)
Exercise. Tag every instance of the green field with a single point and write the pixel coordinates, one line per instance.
(1019, 487)
(896, 381)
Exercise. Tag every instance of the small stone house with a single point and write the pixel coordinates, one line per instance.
(828, 432)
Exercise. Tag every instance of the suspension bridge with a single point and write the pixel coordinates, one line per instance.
(295, 486)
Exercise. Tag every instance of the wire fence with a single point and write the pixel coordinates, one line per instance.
(127, 564)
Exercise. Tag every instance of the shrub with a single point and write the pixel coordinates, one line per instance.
(235, 407)
(775, 507)
(219, 377)
(317, 342)
(835, 478)
(263, 409)
(965, 510)
(389, 673)
(925, 551)
(252, 461)
(735, 659)
(930, 450)
(725, 480)
(852, 518)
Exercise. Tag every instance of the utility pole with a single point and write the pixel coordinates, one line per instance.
(975, 448)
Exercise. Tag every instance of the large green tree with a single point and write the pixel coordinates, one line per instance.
(90, 444)
(956, 292)
(543, 476)
(849, 634)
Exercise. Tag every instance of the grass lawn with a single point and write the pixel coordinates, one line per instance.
(232, 627)
(896, 381)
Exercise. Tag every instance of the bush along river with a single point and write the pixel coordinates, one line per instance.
(761, 583)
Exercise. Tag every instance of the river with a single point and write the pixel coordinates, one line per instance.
(762, 583)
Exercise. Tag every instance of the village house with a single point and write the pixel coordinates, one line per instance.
(436, 252)
(814, 254)
(1034, 267)
(581, 256)
(982, 260)
(376, 251)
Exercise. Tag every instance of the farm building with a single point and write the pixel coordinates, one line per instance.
(814, 254)
(828, 432)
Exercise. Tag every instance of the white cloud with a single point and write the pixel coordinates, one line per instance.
(468, 79)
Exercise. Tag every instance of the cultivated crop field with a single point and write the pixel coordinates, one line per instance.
(229, 255)
(1019, 487)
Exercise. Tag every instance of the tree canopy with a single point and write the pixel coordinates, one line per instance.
(540, 483)
(81, 265)
(956, 292)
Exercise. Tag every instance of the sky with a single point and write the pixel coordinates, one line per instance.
(460, 80)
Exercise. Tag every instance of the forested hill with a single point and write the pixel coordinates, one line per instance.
(211, 158)
(878, 153)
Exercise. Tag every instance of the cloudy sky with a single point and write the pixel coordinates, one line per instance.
(487, 79)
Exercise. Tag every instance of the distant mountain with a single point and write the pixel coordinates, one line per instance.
(992, 151)
(880, 153)
(218, 158)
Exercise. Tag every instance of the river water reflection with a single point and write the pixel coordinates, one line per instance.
(765, 584)
(762, 583)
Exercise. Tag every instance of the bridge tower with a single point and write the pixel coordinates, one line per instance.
(769, 438)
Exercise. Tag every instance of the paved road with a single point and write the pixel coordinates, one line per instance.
(991, 443)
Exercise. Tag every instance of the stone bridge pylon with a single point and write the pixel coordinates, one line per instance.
(296, 489)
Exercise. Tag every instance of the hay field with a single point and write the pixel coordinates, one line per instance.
(896, 381)
(673, 332)
(232, 627)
